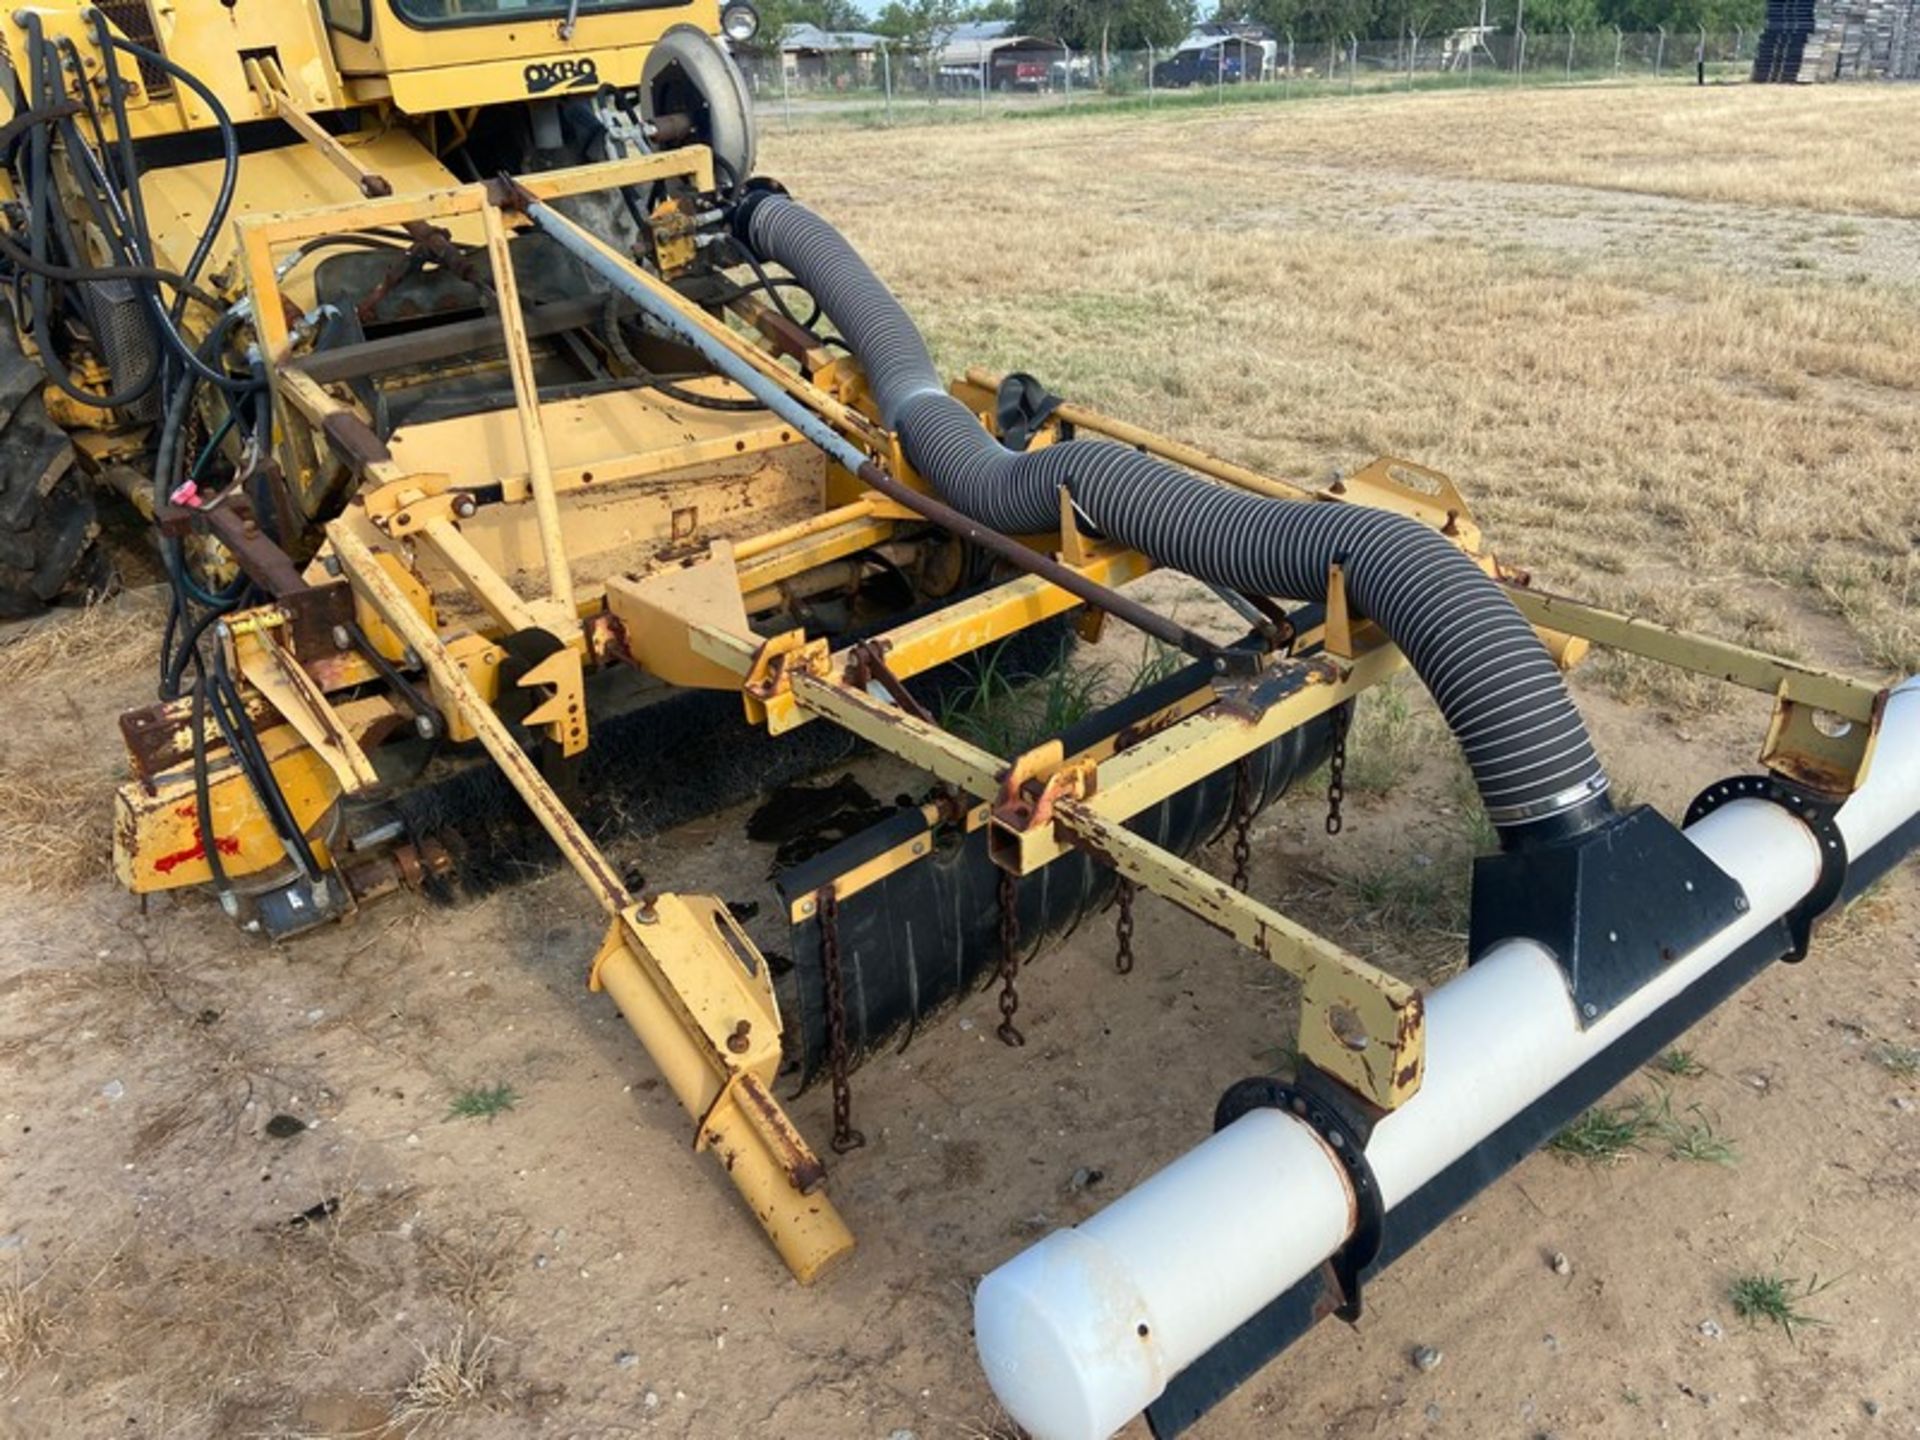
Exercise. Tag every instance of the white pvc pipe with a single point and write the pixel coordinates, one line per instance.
(1083, 1330)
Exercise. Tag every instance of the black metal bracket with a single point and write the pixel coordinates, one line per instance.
(1021, 408)
(1813, 811)
(1345, 1125)
(1615, 904)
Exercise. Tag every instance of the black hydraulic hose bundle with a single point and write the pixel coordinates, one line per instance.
(1488, 671)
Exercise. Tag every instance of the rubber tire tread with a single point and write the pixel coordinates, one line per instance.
(47, 519)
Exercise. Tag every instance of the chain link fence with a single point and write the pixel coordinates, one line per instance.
(902, 84)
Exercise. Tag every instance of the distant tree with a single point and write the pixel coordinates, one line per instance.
(779, 16)
(1324, 20)
(917, 24)
(1105, 24)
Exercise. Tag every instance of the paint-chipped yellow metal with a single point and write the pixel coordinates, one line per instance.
(156, 831)
(265, 662)
(1824, 724)
(1358, 1023)
(684, 995)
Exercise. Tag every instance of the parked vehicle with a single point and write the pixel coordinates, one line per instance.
(1225, 62)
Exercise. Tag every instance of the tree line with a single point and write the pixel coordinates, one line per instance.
(1134, 24)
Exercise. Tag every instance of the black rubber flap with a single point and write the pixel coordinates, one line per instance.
(1615, 905)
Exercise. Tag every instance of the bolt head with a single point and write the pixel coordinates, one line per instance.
(424, 727)
(341, 639)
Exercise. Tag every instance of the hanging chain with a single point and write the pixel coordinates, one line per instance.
(1123, 929)
(1242, 821)
(845, 1137)
(1337, 771)
(1009, 958)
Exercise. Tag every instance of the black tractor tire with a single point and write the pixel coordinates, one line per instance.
(47, 520)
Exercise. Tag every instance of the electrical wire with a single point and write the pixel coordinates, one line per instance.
(243, 741)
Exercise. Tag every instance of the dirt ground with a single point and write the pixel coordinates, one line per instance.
(566, 1268)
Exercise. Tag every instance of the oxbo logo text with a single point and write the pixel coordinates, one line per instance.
(562, 75)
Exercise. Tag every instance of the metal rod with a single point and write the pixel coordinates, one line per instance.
(1121, 607)
(533, 435)
(647, 294)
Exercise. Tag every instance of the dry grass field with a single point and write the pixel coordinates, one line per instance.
(1664, 340)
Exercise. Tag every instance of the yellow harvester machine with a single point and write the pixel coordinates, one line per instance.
(510, 447)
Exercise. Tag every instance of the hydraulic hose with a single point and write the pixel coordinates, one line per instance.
(1491, 676)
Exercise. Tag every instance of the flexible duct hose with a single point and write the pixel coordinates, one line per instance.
(1486, 668)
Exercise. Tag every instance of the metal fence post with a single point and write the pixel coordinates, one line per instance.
(985, 60)
(1619, 39)
(1660, 52)
(786, 98)
(1413, 53)
(1066, 70)
(1289, 65)
(1149, 77)
(1569, 52)
(886, 78)
(1519, 39)
(1353, 58)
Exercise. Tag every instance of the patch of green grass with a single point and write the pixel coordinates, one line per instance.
(1480, 835)
(1397, 894)
(1009, 712)
(483, 1102)
(1695, 1139)
(1386, 741)
(1682, 1063)
(1606, 1134)
(1772, 1296)
(1901, 1060)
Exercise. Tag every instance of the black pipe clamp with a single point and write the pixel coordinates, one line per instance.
(1313, 1097)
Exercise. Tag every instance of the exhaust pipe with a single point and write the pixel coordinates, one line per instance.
(1179, 1290)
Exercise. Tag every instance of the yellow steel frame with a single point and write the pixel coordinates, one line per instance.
(691, 985)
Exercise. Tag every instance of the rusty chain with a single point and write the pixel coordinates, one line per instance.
(845, 1137)
(1242, 821)
(1009, 958)
(1123, 929)
(1337, 771)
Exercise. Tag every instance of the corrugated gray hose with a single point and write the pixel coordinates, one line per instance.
(1486, 668)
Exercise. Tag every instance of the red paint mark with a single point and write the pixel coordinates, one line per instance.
(167, 864)
(187, 811)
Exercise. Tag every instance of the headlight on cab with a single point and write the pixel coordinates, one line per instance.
(740, 22)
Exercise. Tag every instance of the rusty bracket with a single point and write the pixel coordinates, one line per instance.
(867, 667)
(768, 688)
(231, 521)
(1033, 786)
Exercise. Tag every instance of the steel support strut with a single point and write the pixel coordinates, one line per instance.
(689, 982)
